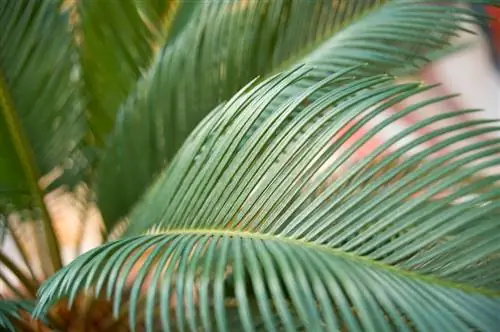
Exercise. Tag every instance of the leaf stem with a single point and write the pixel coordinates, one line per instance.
(22, 250)
(332, 251)
(8, 263)
(27, 160)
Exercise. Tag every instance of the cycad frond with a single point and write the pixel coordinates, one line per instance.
(10, 314)
(167, 18)
(225, 46)
(117, 42)
(115, 46)
(41, 120)
(228, 42)
(248, 219)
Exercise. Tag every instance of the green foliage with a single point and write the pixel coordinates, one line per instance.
(41, 108)
(42, 113)
(196, 72)
(10, 313)
(243, 208)
(226, 45)
(115, 48)
(250, 215)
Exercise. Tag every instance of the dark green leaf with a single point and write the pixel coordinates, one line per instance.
(41, 119)
(116, 46)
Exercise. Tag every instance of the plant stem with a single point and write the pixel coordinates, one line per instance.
(30, 286)
(27, 160)
(9, 285)
(82, 195)
(22, 251)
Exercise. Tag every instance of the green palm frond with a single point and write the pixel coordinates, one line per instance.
(117, 41)
(10, 314)
(232, 45)
(248, 220)
(167, 18)
(115, 46)
(41, 120)
(228, 42)
(8, 311)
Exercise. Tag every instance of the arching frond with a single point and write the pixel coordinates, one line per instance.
(41, 119)
(115, 47)
(117, 42)
(229, 43)
(275, 226)
(10, 314)
(167, 18)
(223, 46)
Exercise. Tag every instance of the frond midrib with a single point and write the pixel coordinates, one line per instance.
(332, 251)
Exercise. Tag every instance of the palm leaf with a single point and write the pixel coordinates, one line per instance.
(172, 114)
(11, 314)
(7, 312)
(115, 45)
(225, 47)
(167, 18)
(42, 114)
(247, 219)
(117, 42)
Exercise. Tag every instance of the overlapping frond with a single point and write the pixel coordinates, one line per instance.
(41, 120)
(226, 44)
(223, 46)
(277, 227)
(166, 18)
(10, 314)
(115, 46)
(118, 40)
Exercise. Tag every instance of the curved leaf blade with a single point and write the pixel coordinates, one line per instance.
(11, 314)
(278, 223)
(115, 46)
(42, 119)
(272, 281)
(228, 44)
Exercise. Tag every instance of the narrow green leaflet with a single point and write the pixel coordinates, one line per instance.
(227, 44)
(41, 112)
(118, 40)
(157, 12)
(115, 47)
(10, 313)
(280, 224)
(223, 46)
(167, 18)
